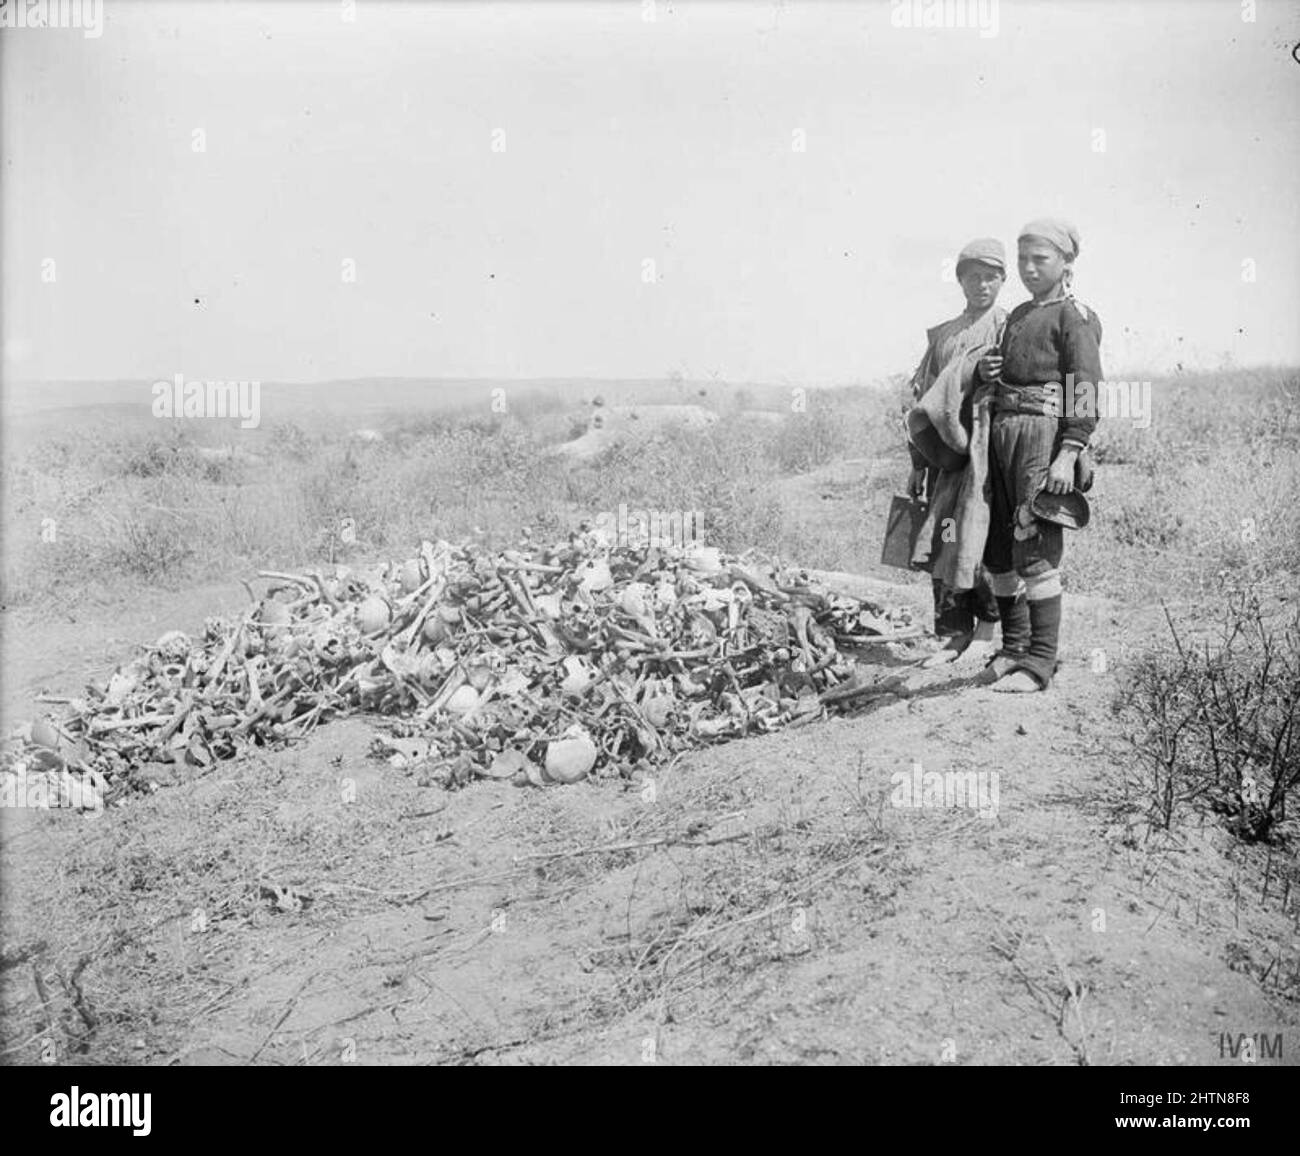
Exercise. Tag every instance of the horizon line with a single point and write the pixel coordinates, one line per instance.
(681, 381)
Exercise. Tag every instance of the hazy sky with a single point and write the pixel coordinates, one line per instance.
(501, 174)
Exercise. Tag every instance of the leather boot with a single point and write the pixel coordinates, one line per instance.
(1016, 633)
(1045, 633)
(1016, 626)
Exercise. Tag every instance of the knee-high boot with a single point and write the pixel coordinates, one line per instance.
(1016, 625)
(1045, 633)
(1016, 634)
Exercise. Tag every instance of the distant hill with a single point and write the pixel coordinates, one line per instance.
(364, 399)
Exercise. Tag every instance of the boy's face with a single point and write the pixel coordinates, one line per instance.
(1042, 265)
(981, 283)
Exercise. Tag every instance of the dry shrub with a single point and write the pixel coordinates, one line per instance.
(152, 546)
(1213, 485)
(1214, 720)
(719, 471)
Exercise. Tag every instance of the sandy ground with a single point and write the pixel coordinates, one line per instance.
(763, 901)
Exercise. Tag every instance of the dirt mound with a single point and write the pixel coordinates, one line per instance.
(609, 426)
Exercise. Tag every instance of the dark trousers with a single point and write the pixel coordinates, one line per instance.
(1021, 447)
(1020, 454)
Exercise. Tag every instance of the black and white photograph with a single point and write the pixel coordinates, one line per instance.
(651, 533)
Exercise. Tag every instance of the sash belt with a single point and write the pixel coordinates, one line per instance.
(1027, 399)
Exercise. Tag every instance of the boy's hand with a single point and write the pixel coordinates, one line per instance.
(989, 367)
(916, 483)
(1060, 478)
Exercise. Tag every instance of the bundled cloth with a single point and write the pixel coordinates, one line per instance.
(934, 424)
(951, 540)
(949, 426)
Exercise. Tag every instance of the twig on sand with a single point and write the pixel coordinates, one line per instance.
(288, 1011)
(634, 845)
(522, 862)
(1074, 998)
(890, 686)
(468, 1053)
(696, 931)
(467, 881)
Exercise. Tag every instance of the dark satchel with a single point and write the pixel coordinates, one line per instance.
(906, 516)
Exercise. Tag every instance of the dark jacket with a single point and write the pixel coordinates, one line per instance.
(1057, 342)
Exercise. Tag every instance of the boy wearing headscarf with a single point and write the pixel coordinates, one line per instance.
(1050, 343)
(965, 610)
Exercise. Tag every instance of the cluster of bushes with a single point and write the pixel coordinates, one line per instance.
(1213, 720)
(1213, 485)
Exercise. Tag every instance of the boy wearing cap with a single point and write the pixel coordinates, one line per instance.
(1034, 446)
(964, 614)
